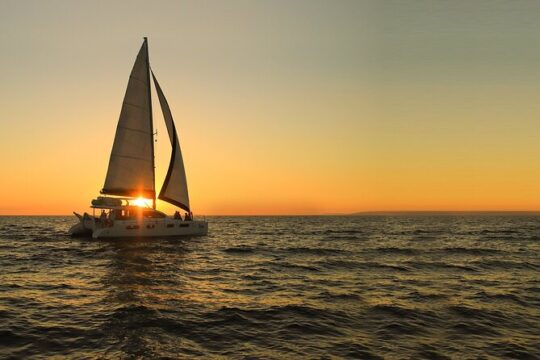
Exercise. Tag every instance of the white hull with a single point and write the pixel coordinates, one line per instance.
(139, 228)
(151, 228)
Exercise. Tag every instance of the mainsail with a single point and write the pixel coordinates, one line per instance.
(174, 188)
(131, 165)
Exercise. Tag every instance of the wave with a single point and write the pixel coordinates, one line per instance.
(402, 312)
(332, 296)
(289, 265)
(297, 320)
(500, 231)
(399, 328)
(473, 328)
(343, 231)
(440, 266)
(485, 296)
(240, 250)
(492, 316)
(365, 265)
(429, 352)
(510, 350)
(312, 251)
(506, 264)
(354, 350)
(10, 338)
(395, 250)
(470, 251)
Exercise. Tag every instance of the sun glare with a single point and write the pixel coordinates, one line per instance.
(140, 202)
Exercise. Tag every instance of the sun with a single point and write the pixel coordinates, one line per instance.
(140, 202)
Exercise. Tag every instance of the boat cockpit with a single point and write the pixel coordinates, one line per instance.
(121, 209)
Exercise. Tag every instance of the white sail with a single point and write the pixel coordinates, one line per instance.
(131, 165)
(174, 189)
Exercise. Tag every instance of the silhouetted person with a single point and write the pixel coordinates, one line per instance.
(177, 215)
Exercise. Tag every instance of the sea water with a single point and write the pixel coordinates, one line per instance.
(405, 286)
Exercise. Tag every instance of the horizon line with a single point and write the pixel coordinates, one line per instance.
(378, 212)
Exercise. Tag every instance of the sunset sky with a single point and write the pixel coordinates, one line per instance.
(282, 107)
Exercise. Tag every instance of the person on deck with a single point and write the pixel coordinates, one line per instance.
(177, 215)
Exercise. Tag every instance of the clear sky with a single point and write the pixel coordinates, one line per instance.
(282, 107)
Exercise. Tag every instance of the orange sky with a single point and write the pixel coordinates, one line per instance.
(282, 108)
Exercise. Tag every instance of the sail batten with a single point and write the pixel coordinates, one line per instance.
(174, 189)
(131, 164)
(132, 157)
(135, 105)
(130, 129)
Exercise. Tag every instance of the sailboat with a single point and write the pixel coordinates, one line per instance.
(131, 174)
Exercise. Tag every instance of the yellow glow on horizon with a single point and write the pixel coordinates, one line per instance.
(141, 202)
(280, 108)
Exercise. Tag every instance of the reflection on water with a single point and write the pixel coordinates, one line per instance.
(141, 282)
(363, 287)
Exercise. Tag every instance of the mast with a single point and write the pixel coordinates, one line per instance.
(151, 122)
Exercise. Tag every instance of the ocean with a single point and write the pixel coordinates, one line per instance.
(365, 287)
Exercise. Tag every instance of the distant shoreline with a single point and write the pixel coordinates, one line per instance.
(457, 212)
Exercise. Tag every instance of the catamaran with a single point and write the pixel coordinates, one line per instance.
(131, 174)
